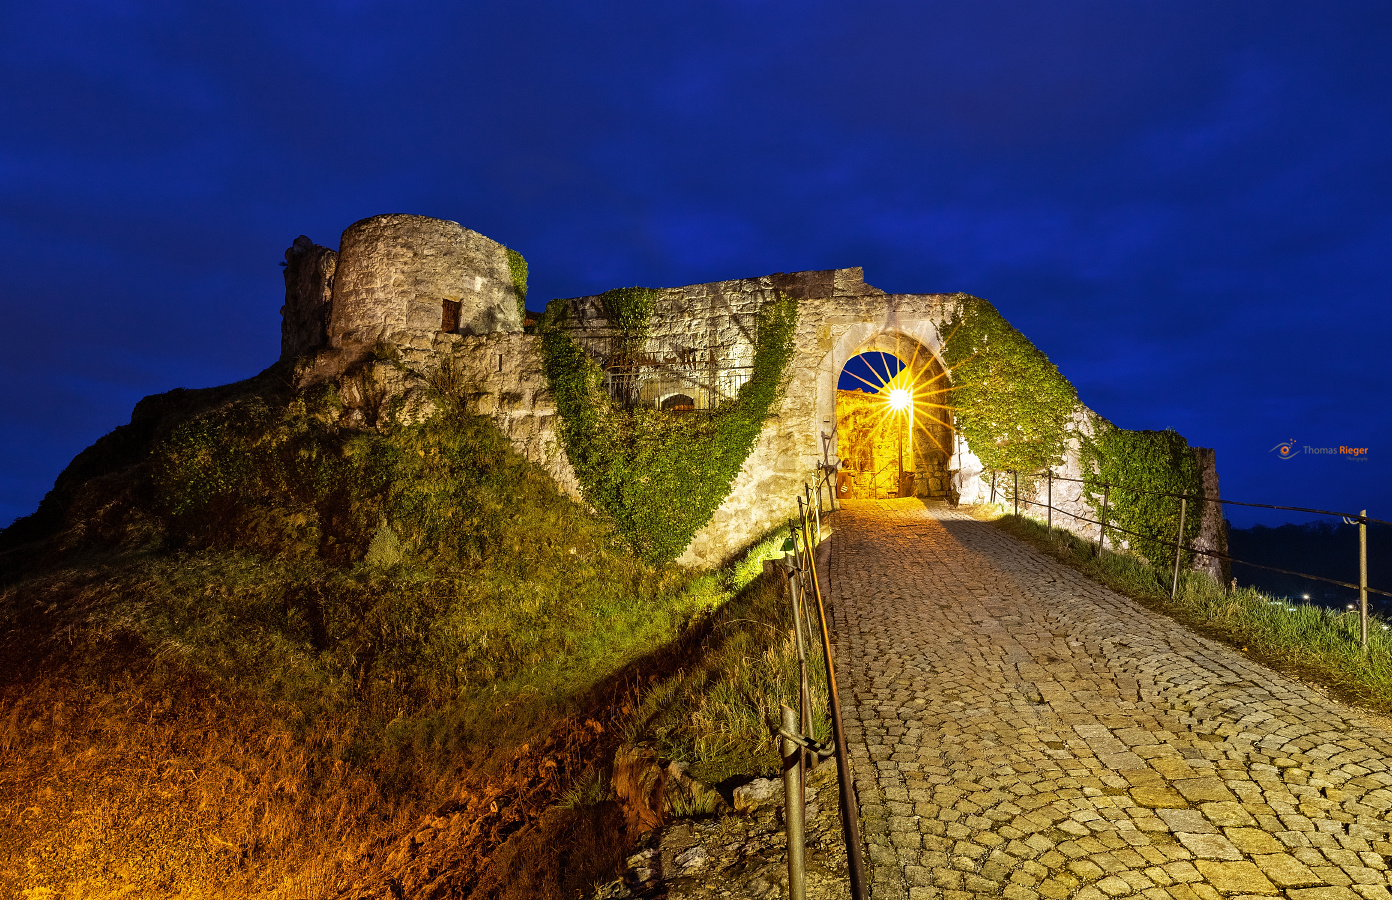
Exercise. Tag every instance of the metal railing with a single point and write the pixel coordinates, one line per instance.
(1362, 520)
(799, 748)
(664, 375)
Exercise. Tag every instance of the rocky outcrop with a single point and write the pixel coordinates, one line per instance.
(741, 855)
(497, 375)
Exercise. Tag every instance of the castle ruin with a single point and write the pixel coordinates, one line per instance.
(428, 290)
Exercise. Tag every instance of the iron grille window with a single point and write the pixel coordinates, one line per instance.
(666, 376)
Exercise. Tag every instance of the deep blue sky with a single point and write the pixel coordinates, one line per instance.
(1187, 206)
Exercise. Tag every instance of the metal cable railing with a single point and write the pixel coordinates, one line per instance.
(1362, 519)
(798, 746)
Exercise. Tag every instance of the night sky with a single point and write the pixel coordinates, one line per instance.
(1187, 206)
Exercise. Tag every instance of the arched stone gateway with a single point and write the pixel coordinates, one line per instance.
(909, 330)
(839, 316)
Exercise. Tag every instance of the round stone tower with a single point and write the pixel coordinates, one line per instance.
(403, 279)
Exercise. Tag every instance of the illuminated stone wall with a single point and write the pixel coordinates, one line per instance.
(386, 285)
(839, 316)
(395, 272)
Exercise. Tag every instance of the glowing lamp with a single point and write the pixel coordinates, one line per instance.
(899, 399)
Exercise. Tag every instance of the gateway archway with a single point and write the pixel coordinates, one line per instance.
(894, 426)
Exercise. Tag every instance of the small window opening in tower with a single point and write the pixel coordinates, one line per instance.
(449, 315)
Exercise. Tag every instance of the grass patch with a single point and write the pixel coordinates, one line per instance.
(736, 667)
(1302, 639)
(309, 633)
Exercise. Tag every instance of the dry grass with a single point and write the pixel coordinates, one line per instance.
(738, 666)
(178, 790)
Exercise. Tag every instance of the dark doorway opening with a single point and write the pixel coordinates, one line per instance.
(449, 315)
(679, 403)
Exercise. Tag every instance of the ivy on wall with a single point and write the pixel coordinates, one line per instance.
(517, 268)
(630, 311)
(1134, 461)
(659, 476)
(1012, 405)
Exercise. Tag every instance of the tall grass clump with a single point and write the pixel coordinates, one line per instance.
(1307, 640)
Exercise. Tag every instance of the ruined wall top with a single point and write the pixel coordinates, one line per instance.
(396, 272)
(720, 315)
(309, 276)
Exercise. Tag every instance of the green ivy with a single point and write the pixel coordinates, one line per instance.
(1012, 405)
(660, 476)
(1135, 461)
(630, 310)
(246, 450)
(517, 268)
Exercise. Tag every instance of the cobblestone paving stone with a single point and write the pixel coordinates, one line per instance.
(1020, 731)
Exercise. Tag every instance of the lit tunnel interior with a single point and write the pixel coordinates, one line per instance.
(894, 423)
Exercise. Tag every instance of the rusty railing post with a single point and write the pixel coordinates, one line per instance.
(1016, 490)
(850, 811)
(799, 627)
(1102, 528)
(793, 800)
(1178, 546)
(1363, 575)
(1049, 475)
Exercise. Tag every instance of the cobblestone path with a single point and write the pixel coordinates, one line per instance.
(1018, 730)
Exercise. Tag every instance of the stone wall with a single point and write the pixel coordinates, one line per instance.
(309, 279)
(395, 273)
(1071, 507)
(1213, 533)
(839, 316)
(508, 383)
(496, 375)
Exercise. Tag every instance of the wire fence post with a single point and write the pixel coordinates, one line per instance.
(1363, 575)
(795, 590)
(1178, 546)
(1102, 526)
(793, 804)
(850, 810)
(1103, 522)
(1049, 476)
